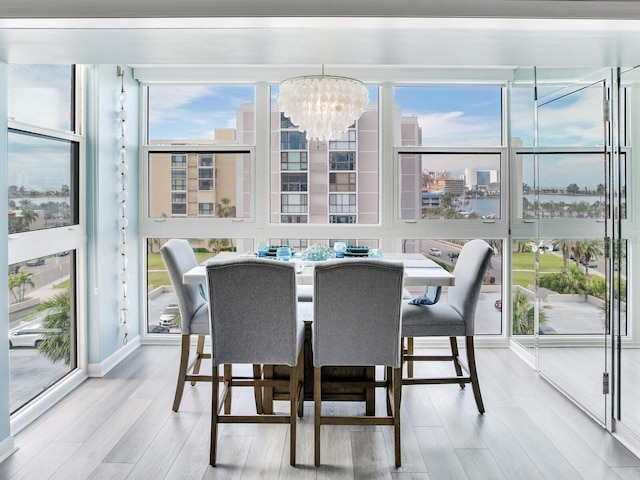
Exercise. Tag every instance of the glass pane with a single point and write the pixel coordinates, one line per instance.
(42, 332)
(571, 185)
(322, 168)
(445, 253)
(162, 315)
(179, 187)
(449, 186)
(196, 114)
(448, 116)
(570, 119)
(41, 95)
(42, 179)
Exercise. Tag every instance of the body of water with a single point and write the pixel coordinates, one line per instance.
(488, 206)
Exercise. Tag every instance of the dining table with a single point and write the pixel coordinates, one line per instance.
(419, 271)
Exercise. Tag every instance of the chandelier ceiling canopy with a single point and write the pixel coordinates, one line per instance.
(323, 106)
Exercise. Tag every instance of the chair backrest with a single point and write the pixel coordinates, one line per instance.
(357, 306)
(178, 256)
(469, 271)
(252, 310)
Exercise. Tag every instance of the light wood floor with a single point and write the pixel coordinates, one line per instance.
(122, 426)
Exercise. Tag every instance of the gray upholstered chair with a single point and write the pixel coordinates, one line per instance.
(178, 257)
(252, 304)
(356, 322)
(452, 318)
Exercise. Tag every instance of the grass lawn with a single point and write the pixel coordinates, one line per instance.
(549, 262)
(157, 271)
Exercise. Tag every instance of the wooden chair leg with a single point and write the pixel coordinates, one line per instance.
(410, 352)
(267, 392)
(199, 353)
(397, 394)
(182, 371)
(227, 381)
(473, 373)
(293, 412)
(370, 393)
(257, 391)
(453, 341)
(300, 386)
(214, 416)
(389, 379)
(317, 410)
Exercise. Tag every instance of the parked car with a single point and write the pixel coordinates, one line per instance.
(435, 252)
(592, 264)
(34, 262)
(168, 315)
(159, 329)
(62, 254)
(498, 304)
(30, 336)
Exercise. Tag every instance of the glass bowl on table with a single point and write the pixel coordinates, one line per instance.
(283, 253)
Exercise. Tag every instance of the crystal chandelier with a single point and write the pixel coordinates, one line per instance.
(324, 106)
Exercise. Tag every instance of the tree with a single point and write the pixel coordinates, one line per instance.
(524, 315)
(28, 217)
(18, 284)
(590, 250)
(573, 189)
(56, 345)
(566, 247)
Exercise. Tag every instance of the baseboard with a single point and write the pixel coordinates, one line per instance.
(101, 369)
(7, 448)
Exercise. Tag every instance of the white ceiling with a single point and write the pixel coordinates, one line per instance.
(287, 33)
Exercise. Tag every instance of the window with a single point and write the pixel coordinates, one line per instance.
(178, 160)
(453, 186)
(292, 203)
(342, 219)
(205, 179)
(342, 203)
(293, 140)
(43, 176)
(293, 219)
(294, 182)
(179, 209)
(205, 209)
(346, 142)
(342, 182)
(178, 179)
(293, 160)
(342, 160)
(43, 193)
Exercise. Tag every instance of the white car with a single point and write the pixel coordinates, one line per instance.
(26, 337)
(435, 252)
(168, 314)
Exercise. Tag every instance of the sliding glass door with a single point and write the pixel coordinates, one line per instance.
(560, 223)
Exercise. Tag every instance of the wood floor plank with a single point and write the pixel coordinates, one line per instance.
(137, 439)
(439, 455)
(551, 463)
(369, 448)
(47, 461)
(571, 445)
(163, 450)
(479, 464)
(90, 454)
(111, 471)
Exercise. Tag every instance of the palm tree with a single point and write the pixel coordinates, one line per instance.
(523, 315)
(590, 250)
(566, 247)
(28, 217)
(56, 344)
(18, 284)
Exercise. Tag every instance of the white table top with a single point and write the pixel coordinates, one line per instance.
(418, 269)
